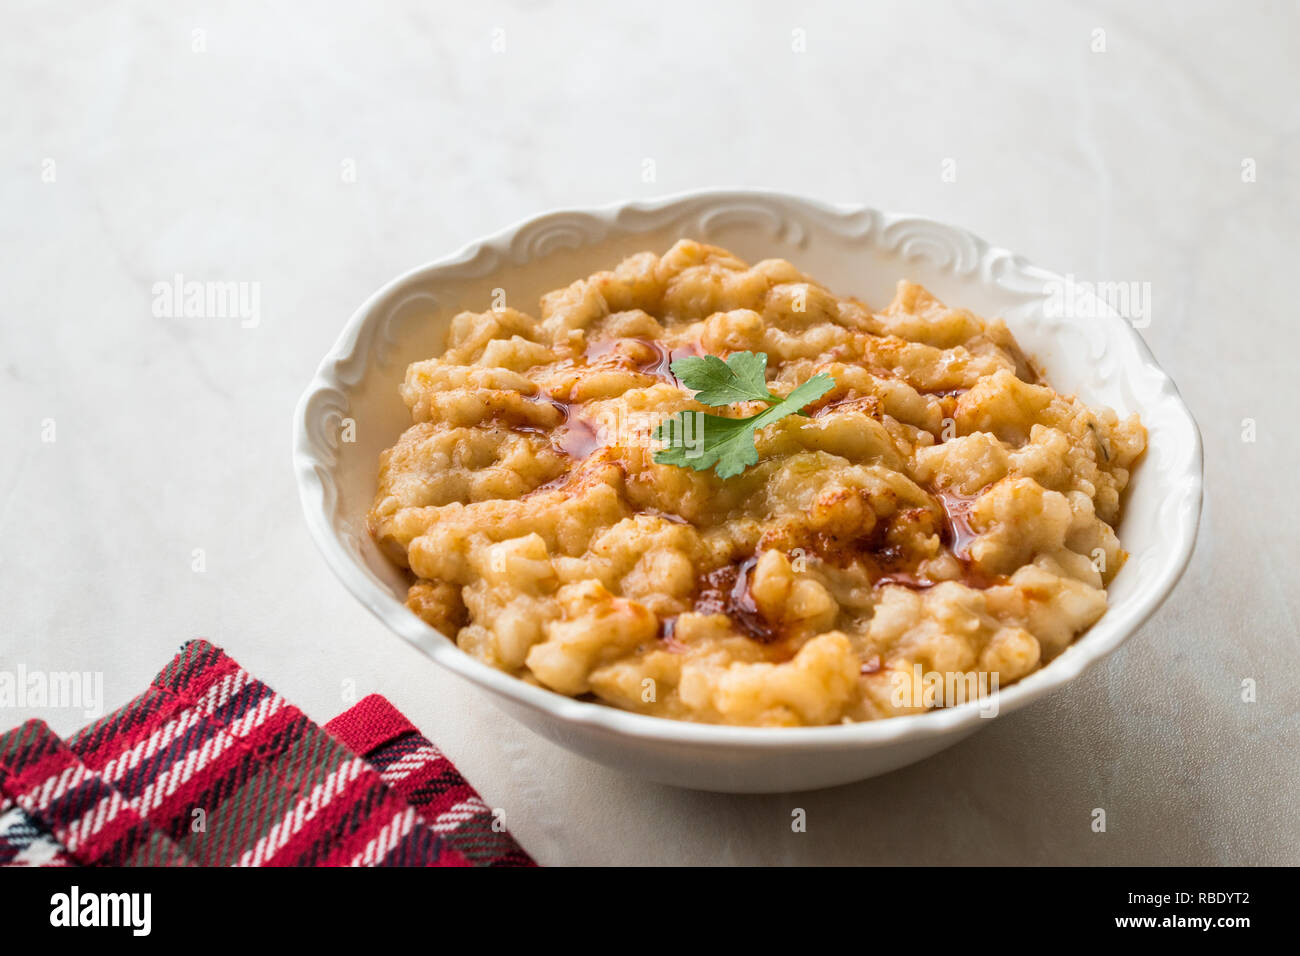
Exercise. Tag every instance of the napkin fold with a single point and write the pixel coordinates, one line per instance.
(421, 773)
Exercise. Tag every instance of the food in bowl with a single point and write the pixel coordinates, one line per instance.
(602, 501)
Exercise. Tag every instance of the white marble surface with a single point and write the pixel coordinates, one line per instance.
(227, 163)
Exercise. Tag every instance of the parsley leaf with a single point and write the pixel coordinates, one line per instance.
(700, 440)
(741, 378)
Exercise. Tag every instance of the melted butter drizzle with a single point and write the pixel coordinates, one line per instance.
(726, 591)
(642, 355)
(577, 436)
(958, 535)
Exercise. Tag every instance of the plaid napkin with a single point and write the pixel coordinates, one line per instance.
(209, 766)
(89, 817)
(25, 842)
(416, 769)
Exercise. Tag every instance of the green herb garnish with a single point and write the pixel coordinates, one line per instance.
(699, 440)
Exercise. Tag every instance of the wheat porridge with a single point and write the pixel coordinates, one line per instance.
(714, 491)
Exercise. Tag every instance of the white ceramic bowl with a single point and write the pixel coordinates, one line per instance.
(853, 250)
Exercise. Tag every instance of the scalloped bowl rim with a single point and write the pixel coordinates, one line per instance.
(1118, 623)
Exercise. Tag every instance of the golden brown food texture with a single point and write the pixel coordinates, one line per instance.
(938, 512)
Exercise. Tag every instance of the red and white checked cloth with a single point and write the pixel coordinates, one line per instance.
(419, 771)
(209, 766)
